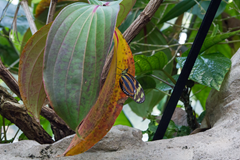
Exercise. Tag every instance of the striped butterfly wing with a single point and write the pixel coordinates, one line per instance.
(139, 96)
(127, 84)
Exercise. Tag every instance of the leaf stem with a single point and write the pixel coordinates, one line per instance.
(169, 76)
(4, 130)
(167, 83)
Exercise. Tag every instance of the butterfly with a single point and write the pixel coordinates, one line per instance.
(131, 87)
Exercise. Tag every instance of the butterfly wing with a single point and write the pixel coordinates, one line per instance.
(127, 84)
(139, 96)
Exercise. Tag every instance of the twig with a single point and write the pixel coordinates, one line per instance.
(24, 4)
(51, 11)
(141, 20)
(10, 81)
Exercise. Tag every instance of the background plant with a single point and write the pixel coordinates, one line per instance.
(157, 53)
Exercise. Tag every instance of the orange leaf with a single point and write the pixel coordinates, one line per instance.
(103, 114)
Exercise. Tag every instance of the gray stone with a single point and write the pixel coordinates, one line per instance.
(221, 142)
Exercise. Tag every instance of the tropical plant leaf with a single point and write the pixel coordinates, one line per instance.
(125, 8)
(152, 98)
(30, 72)
(122, 120)
(103, 114)
(210, 41)
(77, 45)
(145, 64)
(178, 9)
(201, 92)
(209, 69)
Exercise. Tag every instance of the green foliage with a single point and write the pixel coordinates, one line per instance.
(172, 131)
(209, 69)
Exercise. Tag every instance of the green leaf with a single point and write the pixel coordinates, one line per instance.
(30, 72)
(209, 70)
(125, 8)
(46, 125)
(77, 45)
(201, 92)
(200, 118)
(178, 9)
(147, 82)
(210, 41)
(22, 137)
(171, 130)
(183, 131)
(152, 98)
(7, 122)
(122, 120)
(144, 64)
(200, 11)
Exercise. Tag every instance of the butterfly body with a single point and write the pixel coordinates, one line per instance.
(131, 87)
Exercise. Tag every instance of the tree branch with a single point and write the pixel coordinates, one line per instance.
(57, 123)
(33, 28)
(51, 11)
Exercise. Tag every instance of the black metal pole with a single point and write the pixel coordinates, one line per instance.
(192, 56)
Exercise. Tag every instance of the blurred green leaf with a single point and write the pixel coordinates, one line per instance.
(183, 131)
(46, 125)
(201, 93)
(201, 117)
(200, 11)
(22, 137)
(7, 122)
(171, 130)
(122, 120)
(178, 9)
(152, 98)
(210, 41)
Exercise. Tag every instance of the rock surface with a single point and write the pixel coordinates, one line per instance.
(221, 142)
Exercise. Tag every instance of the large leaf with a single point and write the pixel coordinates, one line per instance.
(209, 69)
(210, 41)
(102, 116)
(30, 72)
(77, 45)
(179, 9)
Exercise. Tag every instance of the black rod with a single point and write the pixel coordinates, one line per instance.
(192, 56)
